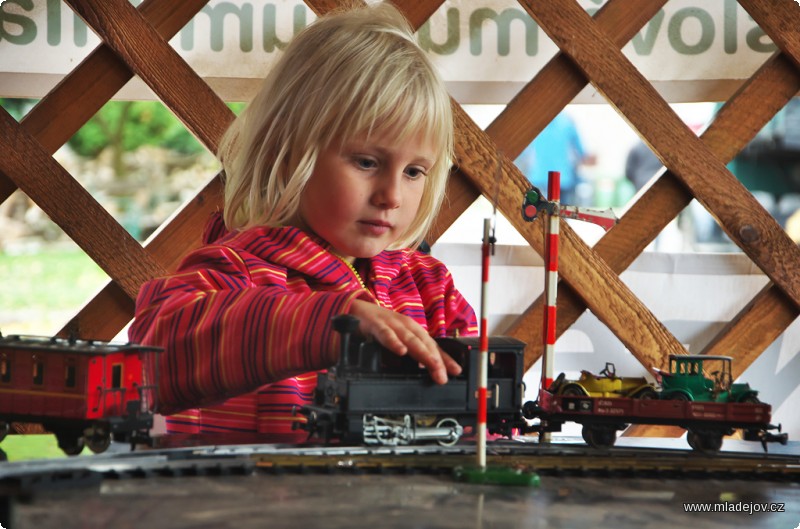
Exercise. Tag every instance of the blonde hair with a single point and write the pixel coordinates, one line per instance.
(350, 73)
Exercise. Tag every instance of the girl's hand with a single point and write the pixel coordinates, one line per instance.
(402, 335)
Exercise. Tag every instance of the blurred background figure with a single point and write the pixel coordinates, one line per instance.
(557, 148)
(769, 166)
(641, 165)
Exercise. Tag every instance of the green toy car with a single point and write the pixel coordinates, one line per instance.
(703, 378)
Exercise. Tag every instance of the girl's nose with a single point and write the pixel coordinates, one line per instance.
(388, 193)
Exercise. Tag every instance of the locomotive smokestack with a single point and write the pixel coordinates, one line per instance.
(346, 325)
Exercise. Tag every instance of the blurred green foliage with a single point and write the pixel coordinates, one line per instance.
(125, 126)
(17, 107)
(128, 125)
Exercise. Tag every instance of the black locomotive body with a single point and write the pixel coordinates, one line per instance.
(375, 397)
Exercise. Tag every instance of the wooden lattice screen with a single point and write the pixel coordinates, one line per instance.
(135, 42)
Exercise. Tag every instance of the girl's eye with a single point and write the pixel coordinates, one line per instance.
(365, 163)
(415, 173)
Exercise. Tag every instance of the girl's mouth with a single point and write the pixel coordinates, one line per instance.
(376, 227)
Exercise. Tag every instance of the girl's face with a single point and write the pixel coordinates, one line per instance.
(364, 194)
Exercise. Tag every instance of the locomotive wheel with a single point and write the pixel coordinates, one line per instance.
(449, 421)
(598, 436)
(70, 442)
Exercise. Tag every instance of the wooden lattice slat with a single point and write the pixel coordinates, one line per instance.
(76, 98)
(418, 12)
(110, 310)
(64, 110)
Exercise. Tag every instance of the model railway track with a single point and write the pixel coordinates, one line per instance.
(546, 461)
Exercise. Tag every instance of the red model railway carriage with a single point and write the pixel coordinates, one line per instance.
(84, 391)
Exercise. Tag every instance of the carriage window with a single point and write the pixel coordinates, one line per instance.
(69, 374)
(38, 371)
(5, 368)
(116, 376)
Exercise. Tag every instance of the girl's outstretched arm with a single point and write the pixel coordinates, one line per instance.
(226, 333)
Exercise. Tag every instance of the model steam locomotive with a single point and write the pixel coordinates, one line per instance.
(85, 392)
(375, 397)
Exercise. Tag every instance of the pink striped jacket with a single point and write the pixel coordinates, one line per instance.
(245, 323)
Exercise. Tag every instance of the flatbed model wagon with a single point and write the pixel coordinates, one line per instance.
(706, 422)
(697, 393)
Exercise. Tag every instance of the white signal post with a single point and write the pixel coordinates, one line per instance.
(551, 277)
(532, 205)
(483, 365)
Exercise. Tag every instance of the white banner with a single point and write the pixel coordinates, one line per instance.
(692, 50)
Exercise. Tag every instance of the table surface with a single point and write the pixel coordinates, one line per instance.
(402, 501)
(264, 498)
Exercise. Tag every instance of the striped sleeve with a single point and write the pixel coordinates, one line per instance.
(223, 335)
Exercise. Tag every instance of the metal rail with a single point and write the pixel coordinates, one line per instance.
(546, 459)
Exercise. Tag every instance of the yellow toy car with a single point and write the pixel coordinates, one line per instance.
(605, 384)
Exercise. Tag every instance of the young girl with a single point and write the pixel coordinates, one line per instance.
(333, 172)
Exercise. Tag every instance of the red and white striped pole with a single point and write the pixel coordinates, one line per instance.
(551, 277)
(483, 365)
